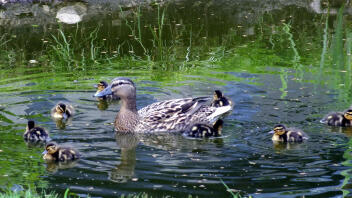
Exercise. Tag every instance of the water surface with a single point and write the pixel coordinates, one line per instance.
(273, 75)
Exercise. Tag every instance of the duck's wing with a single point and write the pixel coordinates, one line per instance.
(169, 115)
(171, 107)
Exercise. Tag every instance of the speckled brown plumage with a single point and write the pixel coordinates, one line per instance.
(172, 115)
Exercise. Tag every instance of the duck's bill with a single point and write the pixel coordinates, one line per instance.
(44, 152)
(106, 91)
(271, 132)
(95, 86)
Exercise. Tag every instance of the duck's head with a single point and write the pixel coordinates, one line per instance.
(279, 129)
(348, 114)
(61, 108)
(121, 86)
(219, 100)
(217, 95)
(101, 86)
(30, 125)
(51, 148)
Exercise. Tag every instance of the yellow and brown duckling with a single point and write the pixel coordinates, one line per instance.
(62, 111)
(339, 118)
(204, 130)
(34, 133)
(54, 152)
(100, 87)
(219, 100)
(283, 134)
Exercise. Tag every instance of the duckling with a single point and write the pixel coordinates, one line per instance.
(283, 134)
(100, 87)
(62, 111)
(34, 133)
(339, 118)
(174, 115)
(219, 100)
(54, 152)
(204, 130)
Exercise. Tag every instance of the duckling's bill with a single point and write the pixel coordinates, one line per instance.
(106, 91)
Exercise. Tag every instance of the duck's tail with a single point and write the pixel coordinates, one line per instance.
(219, 112)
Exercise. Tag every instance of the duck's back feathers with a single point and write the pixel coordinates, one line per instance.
(67, 154)
(34, 133)
(172, 115)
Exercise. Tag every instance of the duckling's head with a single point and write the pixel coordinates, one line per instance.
(348, 114)
(217, 95)
(51, 148)
(279, 129)
(60, 108)
(121, 86)
(30, 125)
(101, 86)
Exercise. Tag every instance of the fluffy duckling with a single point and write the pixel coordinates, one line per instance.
(205, 130)
(219, 100)
(54, 152)
(283, 134)
(100, 87)
(34, 133)
(339, 118)
(62, 111)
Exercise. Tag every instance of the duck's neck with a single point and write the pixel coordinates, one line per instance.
(127, 118)
(128, 104)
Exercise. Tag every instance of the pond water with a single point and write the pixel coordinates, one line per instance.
(274, 73)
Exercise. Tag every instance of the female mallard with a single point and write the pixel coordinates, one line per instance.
(283, 134)
(205, 130)
(54, 152)
(62, 111)
(339, 118)
(100, 87)
(34, 133)
(172, 115)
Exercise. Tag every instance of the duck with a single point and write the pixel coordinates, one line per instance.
(100, 87)
(34, 133)
(283, 134)
(219, 100)
(175, 115)
(62, 111)
(200, 130)
(343, 119)
(54, 152)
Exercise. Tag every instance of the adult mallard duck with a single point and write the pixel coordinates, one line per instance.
(339, 118)
(175, 115)
(54, 152)
(34, 133)
(205, 130)
(62, 111)
(283, 134)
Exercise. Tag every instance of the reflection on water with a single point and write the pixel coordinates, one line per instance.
(124, 171)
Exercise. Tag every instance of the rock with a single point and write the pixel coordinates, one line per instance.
(71, 14)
